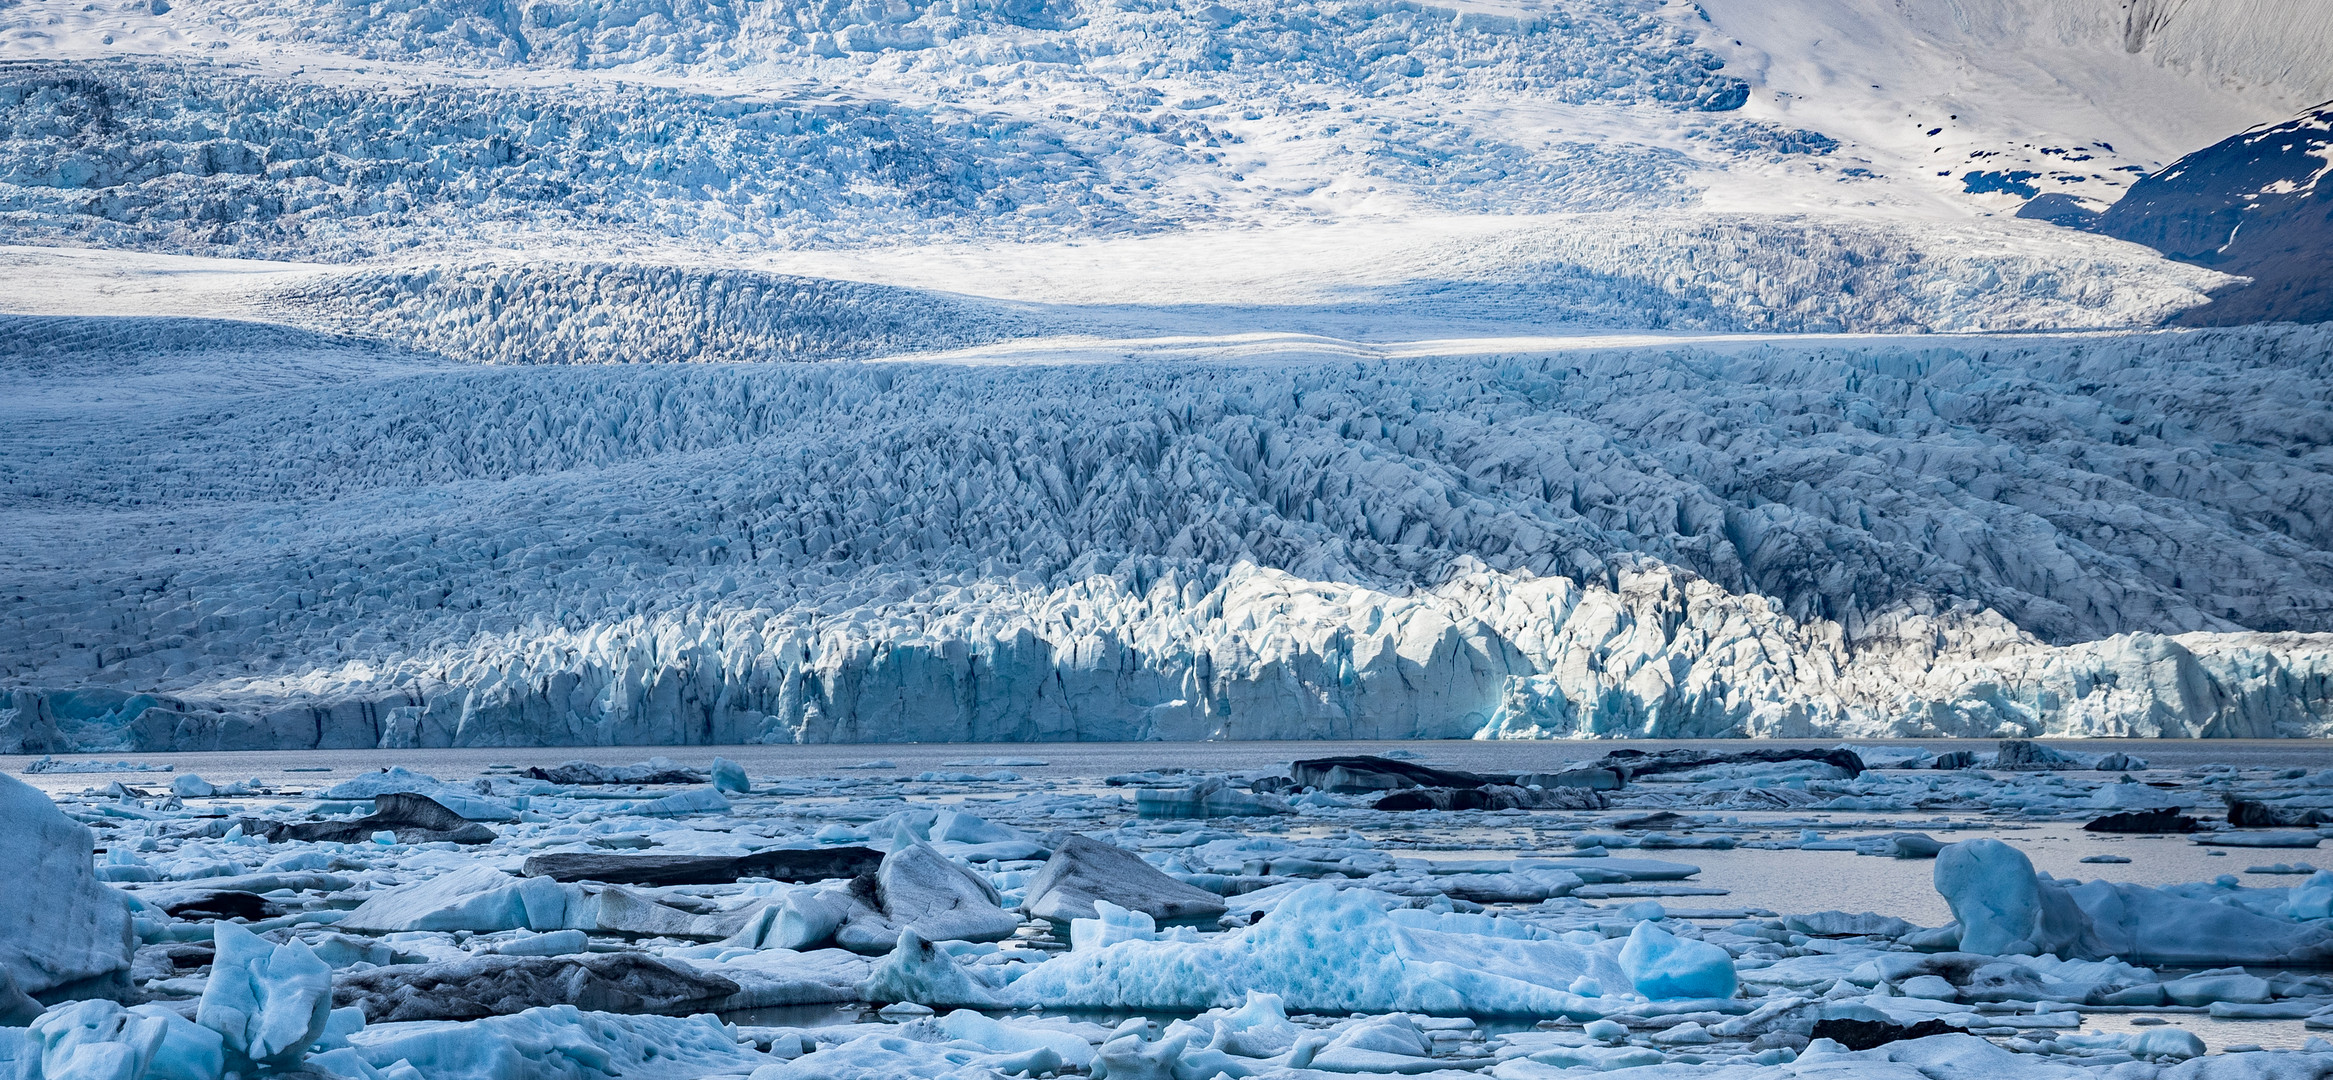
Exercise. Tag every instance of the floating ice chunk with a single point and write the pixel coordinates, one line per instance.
(1770, 771)
(339, 1025)
(802, 918)
(995, 762)
(2160, 926)
(97, 1039)
(558, 1042)
(1321, 949)
(964, 1025)
(49, 764)
(2004, 908)
(1663, 966)
(1902, 845)
(728, 775)
(1213, 797)
(872, 1056)
(2265, 839)
(122, 864)
(1133, 1055)
(398, 780)
(1384, 1045)
(2132, 796)
(925, 891)
(393, 778)
(964, 828)
(655, 770)
(1258, 1029)
(1892, 757)
(1085, 872)
(190, 786)
(1932, 987)
(1599, 1058)
(1993, 892)
(189, 1051)
(482, 898)
(2199, 990)
(62, 932)
(1690, 1033)
(1842, 924)
(918, 971)
(2164, 1042)
(290, 861)
(2025, 755)
(269, 1001)
(476, 897)
(2312, 899)
(1110, 925)
(481, 986)
(2113, 859)
(696, 801)
(554, 943)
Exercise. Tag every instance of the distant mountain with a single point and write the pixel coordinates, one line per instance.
(2258, 205)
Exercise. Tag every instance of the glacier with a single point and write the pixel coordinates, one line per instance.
(680, 373)
(440, 385)
(2119, 534)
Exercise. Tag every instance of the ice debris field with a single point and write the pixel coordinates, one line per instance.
(1342, 916)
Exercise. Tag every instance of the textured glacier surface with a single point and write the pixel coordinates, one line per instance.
(1210, 369)
(2098, 534)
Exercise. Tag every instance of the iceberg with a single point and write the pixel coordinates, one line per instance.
(1320, 950)
(398, 779)
(69, 934)
(2004, 908)
(269, 1002)
(101, 1040)
(1084, 873)
(557, 1042)
(1662, 966)
(481, 898)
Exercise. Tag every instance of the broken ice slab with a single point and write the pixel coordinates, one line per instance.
(1213, 797)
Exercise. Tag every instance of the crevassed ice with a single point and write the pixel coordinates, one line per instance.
(1760, 539)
